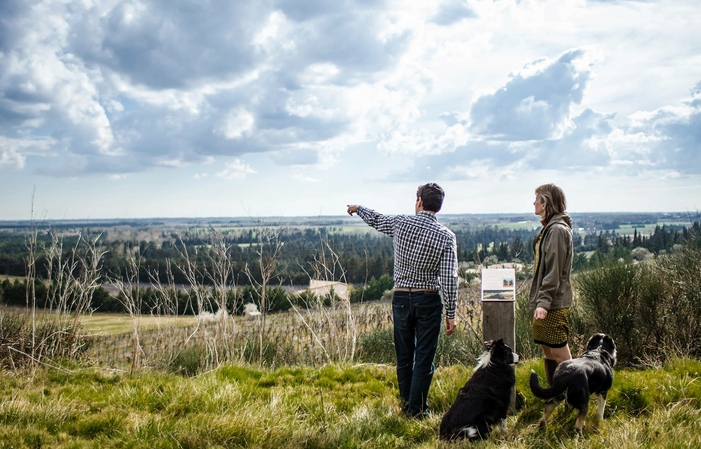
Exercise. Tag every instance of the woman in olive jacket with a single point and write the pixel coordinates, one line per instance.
(551, 291)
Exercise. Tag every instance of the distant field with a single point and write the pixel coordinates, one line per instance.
(106, 324)
(362, 228)
(530, 225)
(646, 229)
(120, 323)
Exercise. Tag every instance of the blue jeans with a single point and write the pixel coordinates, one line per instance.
(417, 324)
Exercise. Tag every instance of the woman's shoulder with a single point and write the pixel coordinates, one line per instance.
(562, 221)
(558, 229)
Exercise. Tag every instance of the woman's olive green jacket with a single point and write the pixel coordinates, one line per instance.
(551, 288)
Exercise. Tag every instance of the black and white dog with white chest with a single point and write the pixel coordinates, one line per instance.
(576, 379)
(485, 398)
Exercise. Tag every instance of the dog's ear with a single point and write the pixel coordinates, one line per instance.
(595, 341)
(608, 343)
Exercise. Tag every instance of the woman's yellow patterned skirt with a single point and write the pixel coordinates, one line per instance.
(554, 330)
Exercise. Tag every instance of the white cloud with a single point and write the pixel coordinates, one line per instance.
(453, 11)
(456, 88)
(536, 103)
(11, 158)
(236, 124)
(236, 170)
(669, 138)
(14, 151)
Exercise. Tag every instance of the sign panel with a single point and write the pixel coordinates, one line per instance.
(498, 284)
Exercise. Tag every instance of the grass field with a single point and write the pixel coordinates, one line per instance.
(648, 229)
(104, 324)
(349, 406)
(120, 323)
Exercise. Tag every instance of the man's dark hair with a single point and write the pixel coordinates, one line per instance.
(432, 195)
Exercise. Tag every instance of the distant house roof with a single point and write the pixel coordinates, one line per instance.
(319, 287)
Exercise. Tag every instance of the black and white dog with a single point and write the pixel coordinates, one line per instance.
(485, 398)
(576, 379)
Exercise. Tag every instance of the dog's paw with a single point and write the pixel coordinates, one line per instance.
(502, 425)
(577, 433)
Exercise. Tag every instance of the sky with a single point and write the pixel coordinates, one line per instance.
(275, 108)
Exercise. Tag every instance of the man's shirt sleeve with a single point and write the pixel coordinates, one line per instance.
(382, 223)
(448, 276)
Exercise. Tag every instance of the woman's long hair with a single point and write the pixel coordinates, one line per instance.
(554, 199)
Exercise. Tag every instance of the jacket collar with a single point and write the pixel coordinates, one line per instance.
(562, 218)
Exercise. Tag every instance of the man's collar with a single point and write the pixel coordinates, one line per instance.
(427, 213)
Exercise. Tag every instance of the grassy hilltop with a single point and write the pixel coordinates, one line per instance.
(338, 405)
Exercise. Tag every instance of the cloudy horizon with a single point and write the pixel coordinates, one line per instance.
(155, 108)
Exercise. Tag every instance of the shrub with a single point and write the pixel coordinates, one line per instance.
(374, 290)
(526, 348)
(274, 353)
(681, 274)
(462, 347)
(188, 361)
(610, 300)
(376, 346)
(52, 337)
(276, 298)
(651, 309)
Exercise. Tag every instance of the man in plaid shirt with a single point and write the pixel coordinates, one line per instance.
(425, 262)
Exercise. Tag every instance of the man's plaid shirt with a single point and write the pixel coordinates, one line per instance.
(425, 252)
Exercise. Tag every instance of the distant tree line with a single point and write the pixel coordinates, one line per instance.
(361, 256)
(14, 293)
(607, 247)
(363, 259)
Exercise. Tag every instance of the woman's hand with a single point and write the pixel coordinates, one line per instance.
(540, 313)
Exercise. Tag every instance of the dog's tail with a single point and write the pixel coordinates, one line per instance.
(545, 393)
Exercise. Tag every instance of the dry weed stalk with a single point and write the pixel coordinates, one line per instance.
(129, 286)
(193, 275)
(221, 275)
(316, 316)
(31, 260)
(268, 252)
(166, 305)
(71, 282)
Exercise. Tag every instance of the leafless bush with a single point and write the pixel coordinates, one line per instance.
(55, 319)
(268, 252)
(130, 295)
(329, 315)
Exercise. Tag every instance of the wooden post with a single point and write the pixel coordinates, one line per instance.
(498, 322)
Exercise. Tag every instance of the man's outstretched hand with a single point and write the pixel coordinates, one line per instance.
(352, 209)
